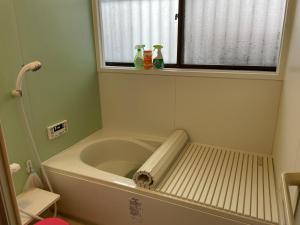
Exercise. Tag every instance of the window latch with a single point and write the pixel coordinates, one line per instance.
(176, 16)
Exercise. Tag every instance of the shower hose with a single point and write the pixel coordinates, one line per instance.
(36, 154)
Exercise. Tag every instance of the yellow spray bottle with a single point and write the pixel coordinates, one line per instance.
(138, 59)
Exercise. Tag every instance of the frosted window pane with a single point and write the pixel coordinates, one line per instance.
(233, 32)
(126, 23)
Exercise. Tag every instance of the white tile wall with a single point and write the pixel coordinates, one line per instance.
(135, 103)
(236, 113)
(287, 141)
(229, 112)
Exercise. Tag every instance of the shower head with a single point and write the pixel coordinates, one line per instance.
(33, 66)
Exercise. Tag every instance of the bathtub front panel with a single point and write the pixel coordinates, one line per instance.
(102, 204)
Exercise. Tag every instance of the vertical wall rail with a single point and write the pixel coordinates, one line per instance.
(289, 179)
(8, 197)
(97, 27)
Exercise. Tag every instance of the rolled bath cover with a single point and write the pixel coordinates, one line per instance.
(160, 161)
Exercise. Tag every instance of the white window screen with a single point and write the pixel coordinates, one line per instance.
(233, 32)
(126, 23)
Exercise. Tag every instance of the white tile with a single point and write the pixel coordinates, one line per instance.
(229, 112)
(236, 113)
(138, 103)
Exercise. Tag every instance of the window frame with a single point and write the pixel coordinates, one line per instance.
(180, 69)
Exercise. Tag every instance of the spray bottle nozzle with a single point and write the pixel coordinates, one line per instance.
(157, 46)
(139, 47)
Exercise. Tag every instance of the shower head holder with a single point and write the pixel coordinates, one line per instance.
(33, 66)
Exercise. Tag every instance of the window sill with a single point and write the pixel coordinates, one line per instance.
(228, 74)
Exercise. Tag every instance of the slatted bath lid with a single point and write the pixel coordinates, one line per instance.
(235, 181)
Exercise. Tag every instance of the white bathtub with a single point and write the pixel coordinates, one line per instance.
(119, 156)
(93, 178)
(106, 156)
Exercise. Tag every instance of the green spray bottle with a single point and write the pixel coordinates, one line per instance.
(158, 61)
(139, 59)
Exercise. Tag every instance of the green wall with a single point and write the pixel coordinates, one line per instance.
(59, 34)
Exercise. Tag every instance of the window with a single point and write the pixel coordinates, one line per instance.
(217, 34)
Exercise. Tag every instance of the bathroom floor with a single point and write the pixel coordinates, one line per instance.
(72, 221)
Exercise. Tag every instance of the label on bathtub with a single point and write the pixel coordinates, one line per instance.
(135, 209)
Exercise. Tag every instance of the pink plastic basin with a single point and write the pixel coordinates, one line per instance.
(52, 221)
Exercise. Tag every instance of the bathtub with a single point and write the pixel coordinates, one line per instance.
(119, 156)
(93, 178)
(105, 156)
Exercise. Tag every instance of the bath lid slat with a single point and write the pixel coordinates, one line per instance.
(235, 181)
